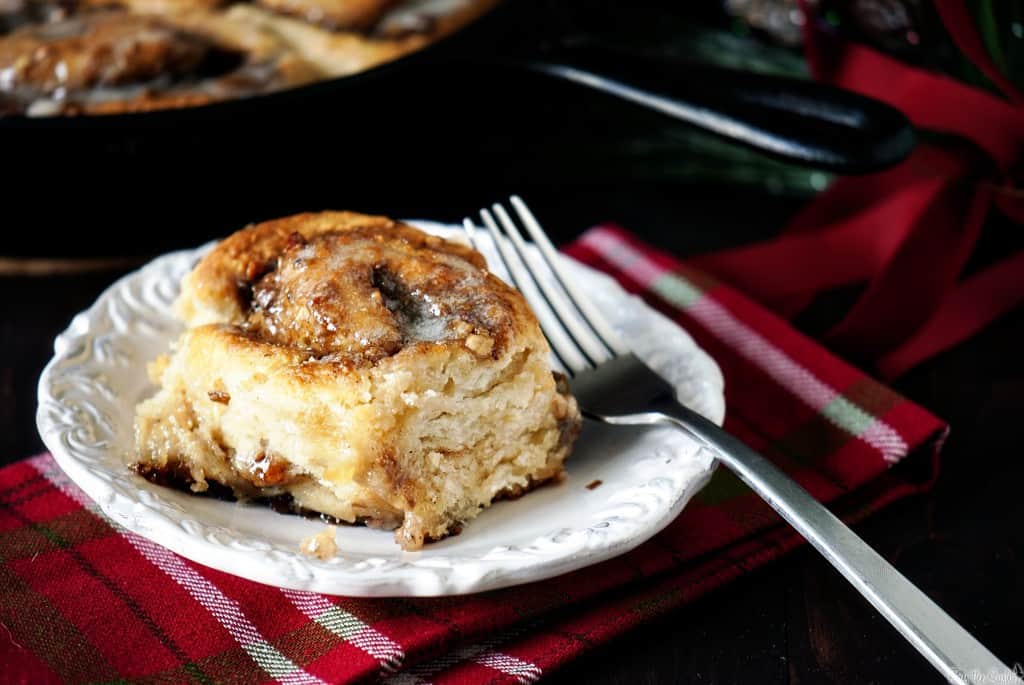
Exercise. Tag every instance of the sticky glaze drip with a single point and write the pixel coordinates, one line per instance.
(418, 315)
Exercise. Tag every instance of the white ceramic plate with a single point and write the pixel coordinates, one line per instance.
(88, 392)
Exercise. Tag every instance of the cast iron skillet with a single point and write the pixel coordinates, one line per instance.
(797, 121)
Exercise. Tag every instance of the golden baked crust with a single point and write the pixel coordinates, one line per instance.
(333, 14)
(362, 368)
(108, 56)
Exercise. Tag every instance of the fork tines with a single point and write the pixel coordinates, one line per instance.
(578, 333)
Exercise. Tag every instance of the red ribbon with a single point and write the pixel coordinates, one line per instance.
(906, 233)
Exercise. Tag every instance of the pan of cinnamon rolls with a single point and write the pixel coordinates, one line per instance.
(96, 57)
(74, 57)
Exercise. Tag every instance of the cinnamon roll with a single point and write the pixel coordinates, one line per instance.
(356, 367)
(115, 61)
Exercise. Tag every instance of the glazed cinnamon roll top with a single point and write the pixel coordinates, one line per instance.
(364, 369)
(352, 288)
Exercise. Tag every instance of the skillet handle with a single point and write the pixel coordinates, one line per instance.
(798, 121)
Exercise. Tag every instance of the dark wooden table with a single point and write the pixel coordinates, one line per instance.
(795, 621)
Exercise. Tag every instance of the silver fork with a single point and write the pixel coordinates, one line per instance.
(613, 386)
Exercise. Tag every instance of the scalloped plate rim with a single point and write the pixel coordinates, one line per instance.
(412, 576)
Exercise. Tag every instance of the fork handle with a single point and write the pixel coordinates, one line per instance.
(944, 642)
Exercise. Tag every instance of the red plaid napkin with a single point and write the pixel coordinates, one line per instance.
(82, 601)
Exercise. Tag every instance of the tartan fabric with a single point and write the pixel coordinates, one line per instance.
(84, 601)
